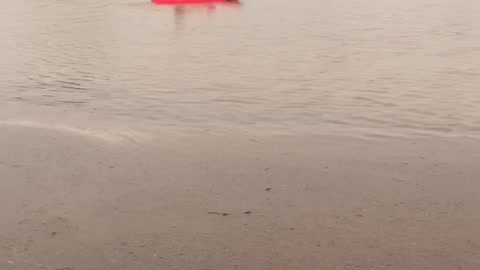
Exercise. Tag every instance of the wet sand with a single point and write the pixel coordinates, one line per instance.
(72, 200)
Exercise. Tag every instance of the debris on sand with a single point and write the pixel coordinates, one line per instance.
(218, 213)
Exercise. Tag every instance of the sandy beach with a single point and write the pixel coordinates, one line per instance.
(71, 200)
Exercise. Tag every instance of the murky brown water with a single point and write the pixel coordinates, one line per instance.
(398, 67)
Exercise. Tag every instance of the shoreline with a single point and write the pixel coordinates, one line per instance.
(95, 120)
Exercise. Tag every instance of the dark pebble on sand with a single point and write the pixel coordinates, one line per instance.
(217, 213)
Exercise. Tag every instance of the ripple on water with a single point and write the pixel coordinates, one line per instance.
(396, 67)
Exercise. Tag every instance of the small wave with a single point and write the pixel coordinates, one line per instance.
(107, 136)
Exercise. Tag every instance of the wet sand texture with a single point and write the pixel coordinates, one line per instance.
(205, 202)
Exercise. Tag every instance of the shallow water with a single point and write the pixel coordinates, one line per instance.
(394, 67)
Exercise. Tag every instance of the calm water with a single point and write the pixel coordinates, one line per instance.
(398, 67)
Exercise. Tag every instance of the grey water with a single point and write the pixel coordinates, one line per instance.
(396, 67)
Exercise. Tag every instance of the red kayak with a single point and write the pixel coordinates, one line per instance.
(188, 2)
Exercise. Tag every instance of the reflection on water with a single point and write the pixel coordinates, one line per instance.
(401, 67)
(181, 10)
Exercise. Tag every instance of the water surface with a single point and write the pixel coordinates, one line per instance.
(394, 67)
